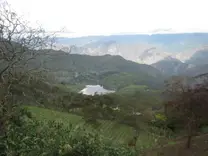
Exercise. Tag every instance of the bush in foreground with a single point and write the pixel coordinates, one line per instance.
(28, 137)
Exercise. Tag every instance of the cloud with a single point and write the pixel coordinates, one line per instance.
(115, 16)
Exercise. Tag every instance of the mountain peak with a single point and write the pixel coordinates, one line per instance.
(170, 58)
(142, 48)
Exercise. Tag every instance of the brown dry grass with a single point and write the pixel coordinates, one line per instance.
(199, 147)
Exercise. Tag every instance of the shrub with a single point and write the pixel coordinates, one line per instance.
(32, 138)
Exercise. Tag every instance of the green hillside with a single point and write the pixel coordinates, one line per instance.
(140, 97)
(113, 72)
(118, 133)
(42, 112)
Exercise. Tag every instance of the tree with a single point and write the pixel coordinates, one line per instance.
(20, 45)
(189, 103)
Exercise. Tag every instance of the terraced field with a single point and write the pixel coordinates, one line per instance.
(118, 133)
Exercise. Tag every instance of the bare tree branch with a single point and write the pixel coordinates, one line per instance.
(20, 45)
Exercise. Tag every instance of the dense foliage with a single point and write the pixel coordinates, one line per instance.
(27, 136)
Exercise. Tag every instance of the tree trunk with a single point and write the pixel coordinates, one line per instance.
(166, 109)
(188, 144)
(2, 127)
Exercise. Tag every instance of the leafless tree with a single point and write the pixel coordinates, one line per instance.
(20, 45)
(190, 104)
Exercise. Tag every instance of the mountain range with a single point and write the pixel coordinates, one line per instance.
(172, 54)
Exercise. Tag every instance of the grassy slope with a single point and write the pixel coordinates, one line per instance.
(117, 132)
(70, 87)
(107, 128)
(145, 97)
(131, 89)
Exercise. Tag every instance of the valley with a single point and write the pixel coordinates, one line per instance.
(105, 90)
(113, 95)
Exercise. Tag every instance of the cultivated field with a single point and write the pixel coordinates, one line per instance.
(118, 133)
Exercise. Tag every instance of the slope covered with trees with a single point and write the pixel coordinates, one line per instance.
(27, 69)
(113, 72)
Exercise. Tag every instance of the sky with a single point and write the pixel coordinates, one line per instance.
(105, 17)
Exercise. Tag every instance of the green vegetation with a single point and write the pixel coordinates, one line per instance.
(110, 129)
(113, 72)
(28, 137)
(121, 80)
(70, 87)
(131, 89)
(116, 133)
(59, 121)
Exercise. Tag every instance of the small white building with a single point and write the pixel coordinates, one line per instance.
(95, 89)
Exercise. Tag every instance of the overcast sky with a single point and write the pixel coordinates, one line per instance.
(91, 17)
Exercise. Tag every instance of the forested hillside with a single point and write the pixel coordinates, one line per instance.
(42, 112)
(113, 72)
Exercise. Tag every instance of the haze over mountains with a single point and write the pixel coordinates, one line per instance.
(170, 53)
